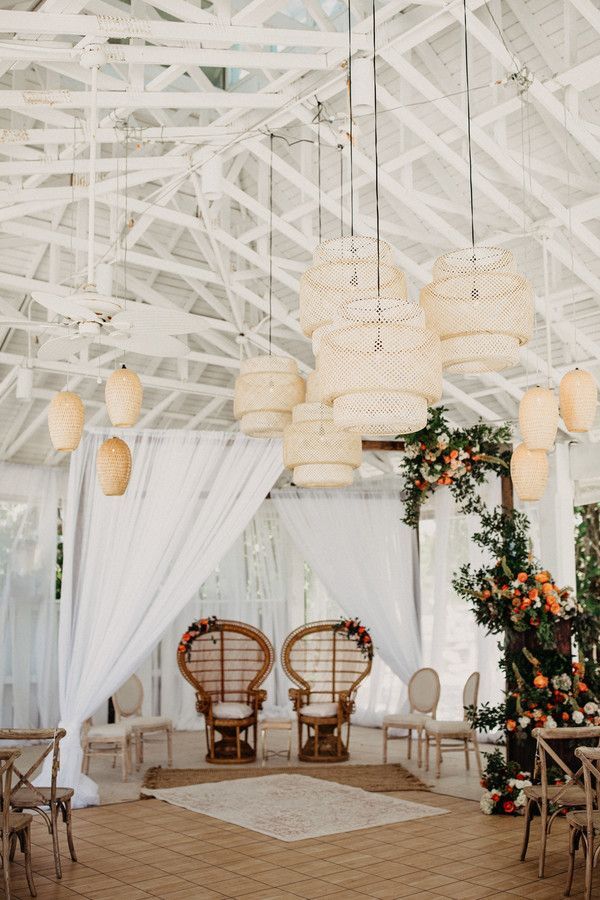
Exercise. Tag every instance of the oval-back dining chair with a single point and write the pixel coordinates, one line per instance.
(226, 662)
(328, 666)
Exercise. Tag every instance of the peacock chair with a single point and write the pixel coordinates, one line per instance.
(226, 662)
(327, 660)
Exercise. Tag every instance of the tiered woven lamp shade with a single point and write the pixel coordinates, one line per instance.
(578, 400)
(380, 367)
(344, 269)
(113, 466)
(481, 308)
(313, 388)
(529, 472)
(123, 395)
(320, 453)
(65, 421)
(538, 418)
(266, 391)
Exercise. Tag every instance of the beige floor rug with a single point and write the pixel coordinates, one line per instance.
(293, 807)
(389, 777)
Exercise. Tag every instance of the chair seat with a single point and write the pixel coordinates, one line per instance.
(579, 818)
(406, 720)
(26, 798)
(319, 710)
(447, 727)
(19, 821)
(572, 796)
(108, 733)
(231, 710)
(147, 722)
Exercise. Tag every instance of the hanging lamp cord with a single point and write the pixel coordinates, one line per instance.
(341, 149)
(319, 109)
(376, 152)
(351, 128)
(270, 240)
(468, 88)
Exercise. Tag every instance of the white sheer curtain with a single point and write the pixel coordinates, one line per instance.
(367, 561)
(133, 563)
(453, 643)
(30, 497)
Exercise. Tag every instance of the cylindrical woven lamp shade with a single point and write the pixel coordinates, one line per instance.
(66, 416)
(538, 418)
(113, 466)
(313, 388)
(123, 394)
(481, 309)
(529, 472)
(578, 400)
(351, 248)
(320, 454)
(380, 367)
(266, 391)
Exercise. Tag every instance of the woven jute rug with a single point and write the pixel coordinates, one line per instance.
(379, 778)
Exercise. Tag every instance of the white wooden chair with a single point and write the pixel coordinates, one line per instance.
(104, 740)
(423, 697)
(456, 731)
(128, 701)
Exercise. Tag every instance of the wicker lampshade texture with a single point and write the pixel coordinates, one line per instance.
(113, 466)
(266, 391)
(578, 400)
(123, 395)
(529, 472)
(320, 453)
(66, 417)
(538, 418)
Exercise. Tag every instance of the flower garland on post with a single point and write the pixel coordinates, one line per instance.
(439, 455)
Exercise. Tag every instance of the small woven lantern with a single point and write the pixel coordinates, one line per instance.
(578, 399)
(380, 367)
(123, 394)
(529, 472)
(266, 391)
(321, 454)
(481, 308)
(113, 465)
(538, 418)
(66, 416)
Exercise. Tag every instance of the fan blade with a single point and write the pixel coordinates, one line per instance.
(61, 348)
(64, 306)
(148, 344)
(145, 319)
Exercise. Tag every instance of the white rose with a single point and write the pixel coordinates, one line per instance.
(590, 708)
(486, 804)
(550, 723)
(524, 722)
(521, 799)
(577, 717)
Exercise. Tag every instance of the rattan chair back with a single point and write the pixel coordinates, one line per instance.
(228, 661)
(49, 739)
(323, 661)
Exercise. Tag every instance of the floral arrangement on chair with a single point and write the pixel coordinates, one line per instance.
(504, 785)
(439, 455)
(357, 632)
(201, 626)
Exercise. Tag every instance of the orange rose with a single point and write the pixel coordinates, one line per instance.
(526, 603)
(540, 681)
(186, 636)
(546, 588)
(453, 454)
(583, 687)
(522, 576)
(542, 577)
(565, 717)
(367, 639)
(511, 725)
(533, 594)
(486, 594)
(555, 609)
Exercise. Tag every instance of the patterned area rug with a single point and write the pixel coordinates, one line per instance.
(389, 777)
(293, 807)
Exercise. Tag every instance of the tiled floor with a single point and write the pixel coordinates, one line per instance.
(144, 849)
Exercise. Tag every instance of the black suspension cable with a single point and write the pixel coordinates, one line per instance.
(319, 108)
(467, 85)
(341, 149)
(351, 131)
(270, 242)
(376, 150)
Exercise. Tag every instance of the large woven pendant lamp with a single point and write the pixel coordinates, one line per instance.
(578, 400)
(538, 418)
(66, 416)
(113, 466)
(481, 308)
(268, 387)
(123, 394)
(529, 472)
(320, 453)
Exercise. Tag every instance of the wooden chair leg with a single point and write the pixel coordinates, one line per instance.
(316, 740)
(589, 866)
(170, 747)
(543, 839)
(571, 869)
(527, 829)
(467, 760)
(427, 742)
(6, 863)
(299, 736)
(55, 845)
(385, 740)
(140, 742)
(419, 747)
(409, 744)
(124, 753)
(477, 753)
(238, 746)
(68, 820)
(27, 854)
(289, 750)
(438, 756)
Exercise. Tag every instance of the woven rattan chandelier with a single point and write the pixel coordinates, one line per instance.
(578, 400)
(538, 418)
(113, 466)
(529, 472)
(318, 451)
(123, 394)
(66, 416)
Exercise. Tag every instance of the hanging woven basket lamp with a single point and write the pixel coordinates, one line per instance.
(66, 417)
(123, 394)
(113, 466)
(578, 400)
(538, 418)
(380, 367)
(480, 307)
(266, 391)
(320, 453)
(529, 472)
(313, 388)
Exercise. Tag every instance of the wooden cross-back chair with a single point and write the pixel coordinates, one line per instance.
(328, 668)
(584, 824)
(226, 665)
(14, 826)
(49, 802)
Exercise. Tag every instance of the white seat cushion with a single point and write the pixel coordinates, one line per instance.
(111, 732)
(231, 710)
(406, 721)
(446, 727)
(147, 722)
(320, 710)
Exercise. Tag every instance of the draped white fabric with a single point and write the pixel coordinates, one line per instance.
(367, 560)
(132, 563)
(29, 520)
